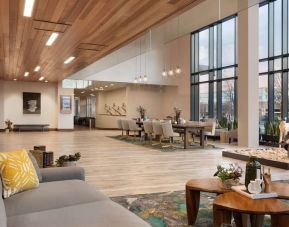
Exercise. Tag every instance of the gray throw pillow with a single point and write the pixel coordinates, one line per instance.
(36, 167)
(3, 217)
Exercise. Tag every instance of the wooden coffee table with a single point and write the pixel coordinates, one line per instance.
(214, 185)
(230, 202)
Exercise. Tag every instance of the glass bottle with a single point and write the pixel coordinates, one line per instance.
(253, 170)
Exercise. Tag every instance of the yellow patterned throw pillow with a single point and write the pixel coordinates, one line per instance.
(17, 172)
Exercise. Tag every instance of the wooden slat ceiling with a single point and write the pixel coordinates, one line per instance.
(88, 30)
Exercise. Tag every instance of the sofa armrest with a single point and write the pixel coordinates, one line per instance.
(62, 173)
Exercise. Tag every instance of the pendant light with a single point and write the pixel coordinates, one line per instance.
(178, 69)
(164, 72)
(136, 66)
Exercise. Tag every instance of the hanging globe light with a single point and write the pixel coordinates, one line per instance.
(171, 72)
(178, 70)
(164, 73)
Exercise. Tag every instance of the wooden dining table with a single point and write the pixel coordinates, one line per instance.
(188, 129)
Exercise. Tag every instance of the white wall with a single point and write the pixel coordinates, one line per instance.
(117, 97)
(12, 93)
(150, 97)
(2, 105)
(11, 104)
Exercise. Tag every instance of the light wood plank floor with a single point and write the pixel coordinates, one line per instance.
(118, 168)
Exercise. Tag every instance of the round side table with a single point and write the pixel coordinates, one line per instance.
(232, 202)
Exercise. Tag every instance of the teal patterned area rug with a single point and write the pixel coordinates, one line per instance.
(166, 146)
(169, 209)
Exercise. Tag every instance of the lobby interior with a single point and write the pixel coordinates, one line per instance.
(99, 78)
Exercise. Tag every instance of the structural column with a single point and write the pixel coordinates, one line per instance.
(248, 76)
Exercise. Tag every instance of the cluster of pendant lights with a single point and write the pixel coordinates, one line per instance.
(177, 71)
(142, 78)
(171, 72)
(28, 10)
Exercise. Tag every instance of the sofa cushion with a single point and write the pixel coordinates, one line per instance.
(36, 167)
(3, 218)
(103, 213)
(52, 195)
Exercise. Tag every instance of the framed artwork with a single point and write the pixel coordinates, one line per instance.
(66, 104)
(31, 103)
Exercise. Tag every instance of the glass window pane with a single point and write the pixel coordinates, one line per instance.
(215, 45)
(263, 31)
(228, 42)
(277, 27)
(228, 99)
(215, 99)
(263, 66)
(263, 101)
(192, 53)
(227, 73)
(277, 95)
(204, 50)
(277, 64)
(204, 77)
(204, 100)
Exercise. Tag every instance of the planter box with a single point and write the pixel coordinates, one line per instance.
(269, 140)
(267, 162)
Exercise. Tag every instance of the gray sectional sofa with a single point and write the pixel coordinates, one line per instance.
(63, 199)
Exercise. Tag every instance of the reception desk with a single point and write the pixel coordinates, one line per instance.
(105, 121)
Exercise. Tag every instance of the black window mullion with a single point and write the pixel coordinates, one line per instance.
(271, 97)
(284, 106)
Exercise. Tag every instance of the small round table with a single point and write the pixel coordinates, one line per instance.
(214, 185)
(232, 202)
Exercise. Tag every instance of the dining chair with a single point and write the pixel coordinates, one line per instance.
(119, 126)
(125, 126)
(134, 128)
(158, 131)
(168, 132)
(148, 129)
(210, 128)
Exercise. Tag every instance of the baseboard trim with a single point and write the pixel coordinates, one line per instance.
(107, 129)
(64, 130)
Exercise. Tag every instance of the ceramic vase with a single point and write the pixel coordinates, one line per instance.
(67, 164)
(227, 184)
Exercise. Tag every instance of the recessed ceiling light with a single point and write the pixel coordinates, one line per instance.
(14, 79)
(82, 92)
(37, 68)
(26, 74)
(41, 78)
(52, 38)
(111, 84)
(92, 95)
(96, 88)
(46, 81)
(106, 86)
(68, 60)
(28, 8)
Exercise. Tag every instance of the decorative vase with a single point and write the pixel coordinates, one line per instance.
(253, 170)
(227, 184)
(69, 163)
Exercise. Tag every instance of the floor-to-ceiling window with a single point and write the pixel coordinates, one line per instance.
(273, 63)
(213, 71)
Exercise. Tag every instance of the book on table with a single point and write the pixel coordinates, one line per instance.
(243, 191)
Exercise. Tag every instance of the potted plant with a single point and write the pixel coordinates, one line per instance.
(9, 125)
(272, 133)
(229, 175)
(68, 160)
(178, 112)
(142, 111)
